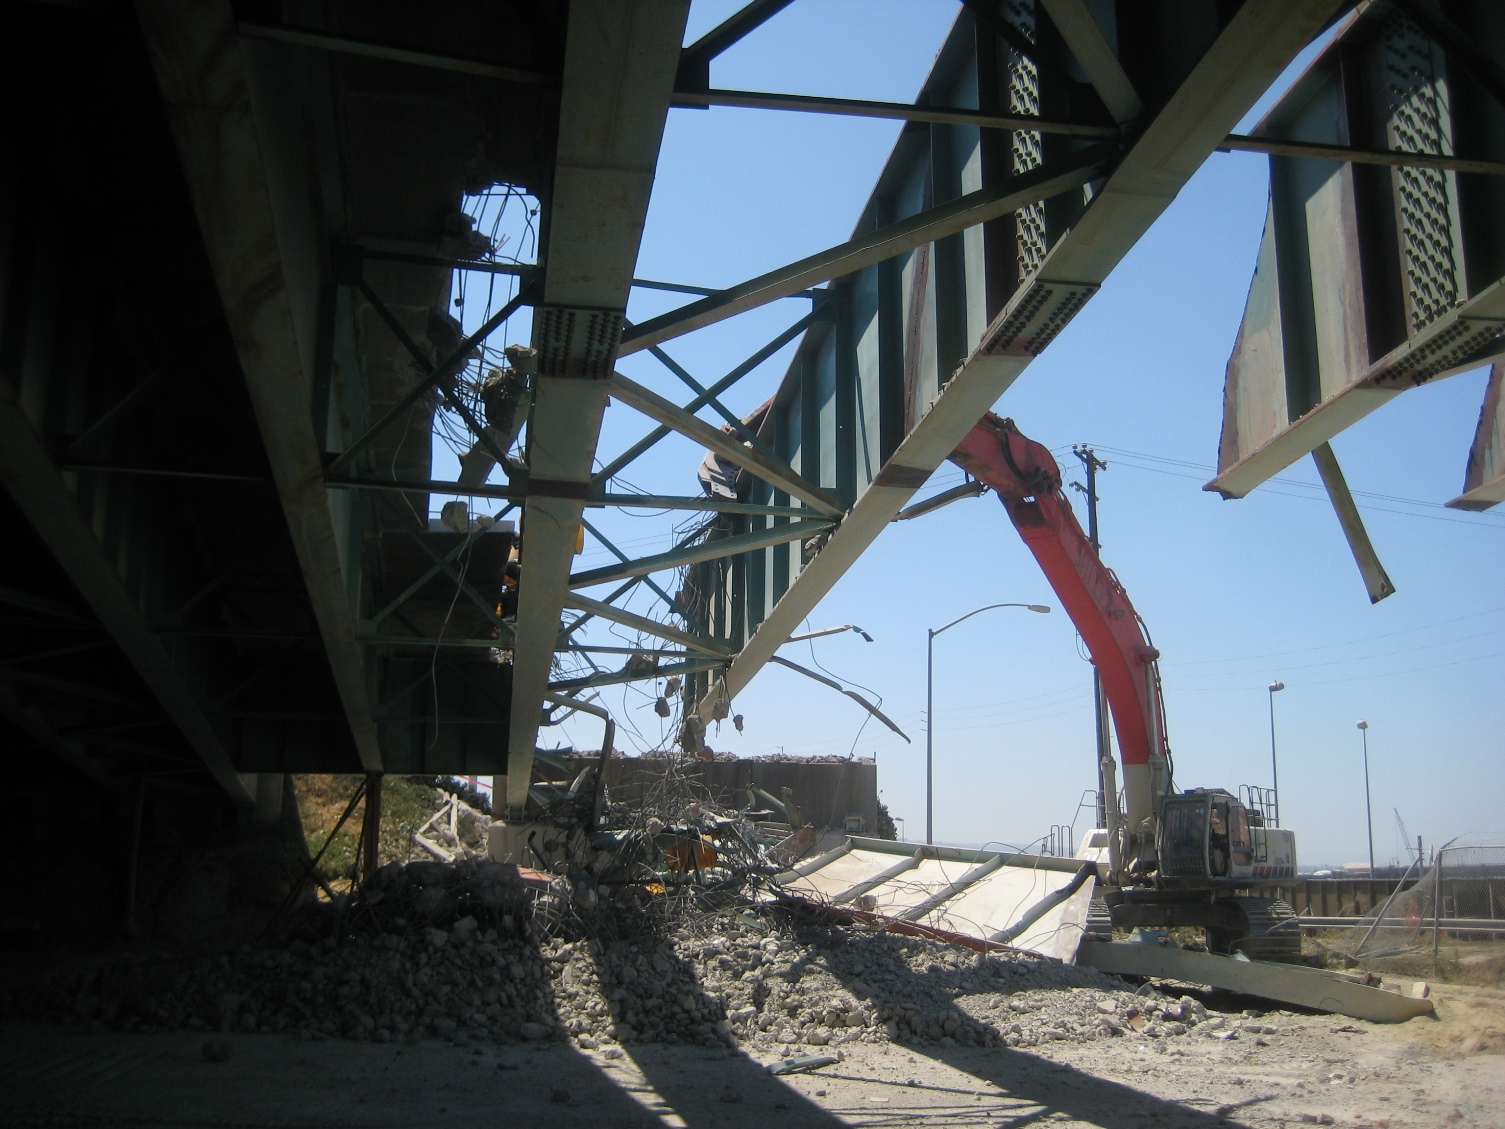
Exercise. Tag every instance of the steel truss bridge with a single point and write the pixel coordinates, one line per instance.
(231, 236)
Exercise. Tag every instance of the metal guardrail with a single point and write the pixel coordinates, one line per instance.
(1446, 924)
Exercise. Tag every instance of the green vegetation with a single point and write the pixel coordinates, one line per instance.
(407, 802)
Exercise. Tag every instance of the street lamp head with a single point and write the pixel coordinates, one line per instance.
(824, 631)
(1041, 608)
(1363, 725)
(1274, 686)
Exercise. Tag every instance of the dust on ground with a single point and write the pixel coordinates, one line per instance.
(1319, 1070)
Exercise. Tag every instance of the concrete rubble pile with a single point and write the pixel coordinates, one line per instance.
(468, 952)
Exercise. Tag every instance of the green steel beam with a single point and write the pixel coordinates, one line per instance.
(892, 240)
(442, 376)
(897, 111)
(42, 496)
(458, 641)
(582, 649)
(346, 45)
(616, 593)
(711, 505)
(703, 394)
(704, 551)
(1096, 56)
(603, 610)
(747, 366)
(436, 375)
(674, 605)
(695, 60)
(440, 561)
(767, 467)
(617, 677)
(433, 571)
(595, 500)
(18, 599)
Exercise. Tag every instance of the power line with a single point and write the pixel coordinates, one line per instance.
(1332, 646)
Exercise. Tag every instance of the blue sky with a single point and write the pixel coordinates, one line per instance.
(1235, 593)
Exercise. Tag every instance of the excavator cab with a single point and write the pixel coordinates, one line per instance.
(1204, 837)
(1214, 869)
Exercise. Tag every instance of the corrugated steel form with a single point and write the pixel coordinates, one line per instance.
(1033, 902)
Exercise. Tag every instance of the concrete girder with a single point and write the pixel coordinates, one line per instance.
(619, 67)
(43, 496)
(204, 83)
(1251, 51)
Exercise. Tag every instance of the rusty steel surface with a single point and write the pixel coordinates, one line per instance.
(1372, 280)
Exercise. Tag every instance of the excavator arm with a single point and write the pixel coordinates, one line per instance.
(1028, 483)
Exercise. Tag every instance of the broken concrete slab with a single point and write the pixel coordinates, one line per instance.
(1288, 983)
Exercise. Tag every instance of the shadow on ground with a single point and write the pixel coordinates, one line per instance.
(711, 1085)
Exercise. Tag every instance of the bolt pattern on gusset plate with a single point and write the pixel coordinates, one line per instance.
(1459, 343)
(575, 343)
(1044, 312)
(1424, 196)
(1026, 145)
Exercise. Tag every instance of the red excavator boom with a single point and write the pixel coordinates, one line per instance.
(1028, 482)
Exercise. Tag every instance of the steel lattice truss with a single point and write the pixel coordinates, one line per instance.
(327, 164)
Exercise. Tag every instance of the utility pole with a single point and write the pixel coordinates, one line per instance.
(1091, 464)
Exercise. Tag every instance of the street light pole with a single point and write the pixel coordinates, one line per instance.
(1275, 687)
(1092, 464)
(931, 633)
(1368, 811)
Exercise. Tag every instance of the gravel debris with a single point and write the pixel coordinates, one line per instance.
(756, 981)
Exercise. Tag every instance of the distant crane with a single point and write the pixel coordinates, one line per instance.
(1405, 837)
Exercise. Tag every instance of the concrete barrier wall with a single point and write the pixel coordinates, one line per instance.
(1340, 897)
(825, 791)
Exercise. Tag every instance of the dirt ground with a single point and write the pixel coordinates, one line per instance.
(1312, 1069)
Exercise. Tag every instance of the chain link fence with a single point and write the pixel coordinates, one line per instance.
(1453, 911)
(1469, 893)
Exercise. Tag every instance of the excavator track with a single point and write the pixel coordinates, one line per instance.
(1099, 921)
(1261, 940)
